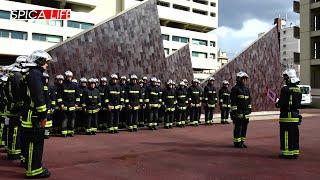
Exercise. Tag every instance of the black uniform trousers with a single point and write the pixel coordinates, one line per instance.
(57, 118)
(68, 122)
(153, 116)
(195, 114)
(133, 118)
(181, 116)
(289, 138)
(92, 122)
(240, 130)
(169, 118)
(2, 132)
(208, 114)
(114, 116)
(14, 144)
(225, 114)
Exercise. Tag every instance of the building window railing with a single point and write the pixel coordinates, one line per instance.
(212, 44)
(58, 23)
(183, 8)
(13, 34)
(165, 37)
(161, 3)
(199, 54)
(201, 2)
(198, 11)
(200, 42)
(46, 38)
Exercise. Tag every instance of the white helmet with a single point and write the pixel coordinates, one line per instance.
(144, 78)
(196, 81)
(133, 76)
(114, 76)
(170, 82)
(83, 80)
(153, 79)
(212, 79)
(182, 83)
(242, 74)
(92, 80)
(68, 74)
(159, 81)
(103, 79)
(60, 77)
(290, 73)
(123, 77)
(37, 58)
(225, 82)
(46, 75)
(21, 61)
(74, 81)
(294, 80)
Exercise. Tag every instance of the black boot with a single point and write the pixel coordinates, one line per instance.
(237, 145)
(243, 145)
(44, 174)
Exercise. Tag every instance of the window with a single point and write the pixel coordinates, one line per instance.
(183, 8)
(180, 39)
(284, 46)
(46, 38)
(284, 53)
(199, 54)
(284, 39)
(4, 33)
(212, 44)
(213, 14)
(161, 3)
(200, 42)
(284, 32)
(284, 59)
(5, 14)
(198, 11)
(212, 56)
(165, 37)
(201, 2)
(13, 34)
(166, 51)
(79, 25)
(19, 35)
(174, 50)
(213, 4)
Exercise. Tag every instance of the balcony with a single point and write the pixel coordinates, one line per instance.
(296, 6)
(296, 58)
(296, 32)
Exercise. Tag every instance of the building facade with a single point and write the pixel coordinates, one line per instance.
(19, 37)
(189, 21)
(310, 42)
(290, 48)
(222, 58)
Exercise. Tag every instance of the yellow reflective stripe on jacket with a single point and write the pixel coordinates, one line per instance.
(226, 94)
(195, 105)
(211, 105)
(154, 105)
(115, 107)
(45, 88)
(290, 120)
(53, 103)
(59, 100)
(140, 100)
(182, 96)
(69, 91)
(134, 92)
(136, 107)
(48, 124)
(195, 92)
(250, 106)
(93, 111)
(182, 108)
(236, 139)
(126, 100)
(170, 97)
(295, 89)
(243, 97)
(115, 92)
(225, 105)
(234, 108)
(170, 109)
(42, 108)
(146, 100)
(78, 99)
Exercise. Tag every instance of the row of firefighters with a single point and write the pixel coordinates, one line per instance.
(31, 108)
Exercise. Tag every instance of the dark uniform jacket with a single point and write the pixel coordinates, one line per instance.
(153, 96)
(224, 98)
(15, 94)
(133, 96)
(92, 100)
(113, 96)
(195, 96)
(68, 95)
(169, 98)
(182, 99)
(210, 96)
(289, 103)
(240, 102)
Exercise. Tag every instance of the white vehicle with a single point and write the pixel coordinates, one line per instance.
(306, 94)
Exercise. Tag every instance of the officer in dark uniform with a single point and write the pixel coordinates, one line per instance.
(3, 104)
(290, 118)
(133, 101)
(169, 99)
(240, 109)
(114, 101)
(102, 115)
(123, 118)
(58, 114)
(182, 103)
(15, 98)
(81, 116)
(68, 99)
(141, 113)
(91, 105)
(195, 98)
(34, 120)
(224, 102)
(161, 111)
(48, 103)
(153, 100)
(210, 100)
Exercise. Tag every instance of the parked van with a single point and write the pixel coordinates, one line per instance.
(306, 95)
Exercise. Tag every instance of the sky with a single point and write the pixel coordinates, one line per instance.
(240, 21)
